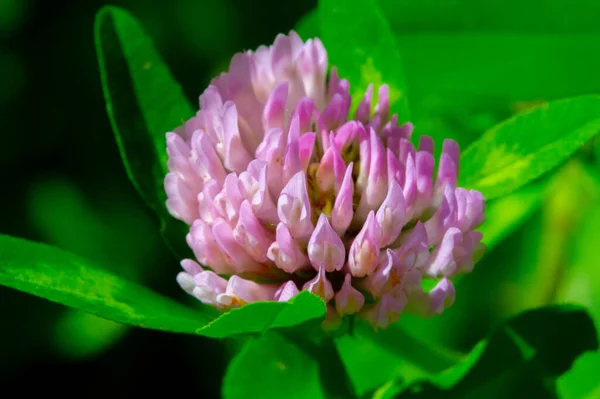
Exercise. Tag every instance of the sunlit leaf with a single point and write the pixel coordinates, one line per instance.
(144, 102)
(523, 148)
(361, 45)
(70, 280)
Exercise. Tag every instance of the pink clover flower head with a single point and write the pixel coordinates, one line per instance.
(285, 191)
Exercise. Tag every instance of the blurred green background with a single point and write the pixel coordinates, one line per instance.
(468, 65)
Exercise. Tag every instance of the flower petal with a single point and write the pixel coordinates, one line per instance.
(325, 248)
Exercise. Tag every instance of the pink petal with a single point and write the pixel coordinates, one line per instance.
(387, 310)
(286, 291)
(293, 207)
(365, 159)
(186, 282)
(335, 113)
(346, 134)
(413, 248)
(332, 167)
(179, 154)
(312, 69)
(286, 252)
(236, 157)
(251, 234)
(443, 218)
(291, 160)
(206, 201)
(471, 207)
(442, 260)
(426, 144)
(320, 286)
(235, 255)
(306, 144)
(391, 213)
(254, 187)
(382, 109)
(376, 186)
(342, 212)
(381, 280)
(271, 151)
(448, 165)
(363, 111)
(275, 109)
(307, 114)
(434, 302)
(192, 268)
(395, 170)
(202, 241)
(204, 159)
(208, 287)
(181, 199)
(325, 248)
(364, 251)
(229, 200)
(348, 300)
(240, 291)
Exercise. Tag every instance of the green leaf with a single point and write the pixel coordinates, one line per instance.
(272, 367)
(361, 45)
(144, 102)
(61, 277)
(525, 147)
(522, 357)
(292, 365)
(260, 317)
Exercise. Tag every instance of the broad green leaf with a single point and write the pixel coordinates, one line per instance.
(260, 317)
(521, 357)
(272, 367)
(144, 102)
(525, 147)
(61, 277)
(361, 45)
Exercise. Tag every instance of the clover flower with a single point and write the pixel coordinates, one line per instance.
(283, 192)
